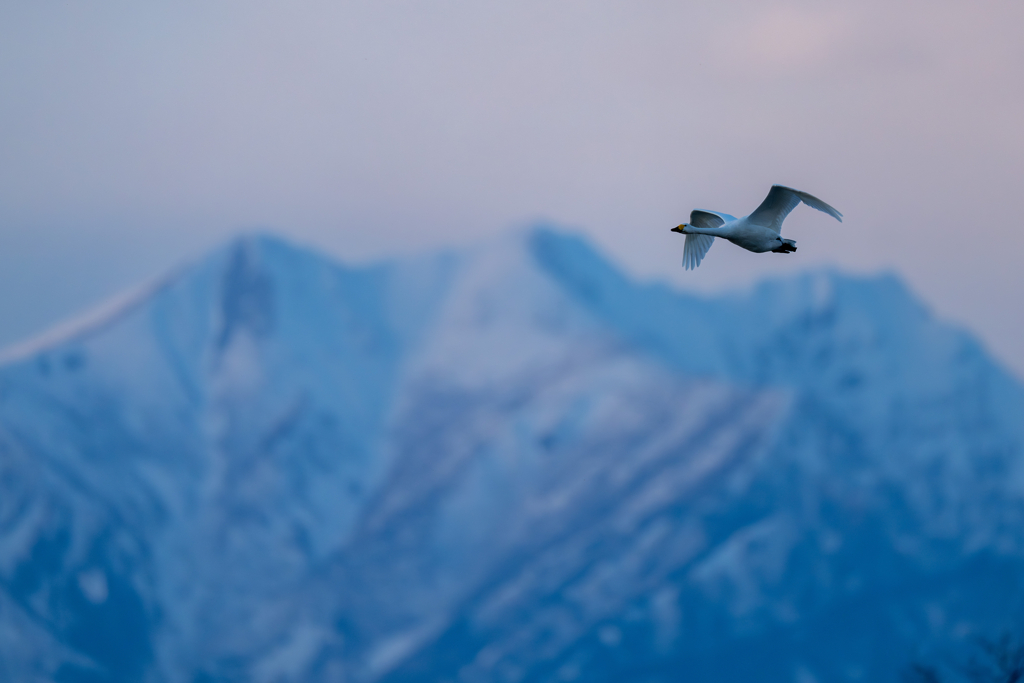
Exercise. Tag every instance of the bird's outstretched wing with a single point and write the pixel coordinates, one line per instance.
(780, 201)
(706, 219)
(695, 247)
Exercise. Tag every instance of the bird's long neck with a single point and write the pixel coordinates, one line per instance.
(690, 229)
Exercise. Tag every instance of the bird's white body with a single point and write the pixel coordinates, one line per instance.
(759, 232)
(742, 233)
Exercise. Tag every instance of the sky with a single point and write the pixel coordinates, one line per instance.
(134, 136)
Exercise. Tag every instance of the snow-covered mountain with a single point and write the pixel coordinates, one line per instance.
(509, 463)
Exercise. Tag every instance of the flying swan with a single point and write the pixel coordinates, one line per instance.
(758, 232)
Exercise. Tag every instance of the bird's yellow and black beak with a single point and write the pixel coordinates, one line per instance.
(679, 228)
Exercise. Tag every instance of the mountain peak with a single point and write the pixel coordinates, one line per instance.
(820, 289)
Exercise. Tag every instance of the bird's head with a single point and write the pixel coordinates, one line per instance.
(680, 229)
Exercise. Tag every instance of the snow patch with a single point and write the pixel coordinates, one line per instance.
(93, 584)
(290, 660)
(89, 322)
(394, 649)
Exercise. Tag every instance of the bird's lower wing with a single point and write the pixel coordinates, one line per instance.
(695, 248)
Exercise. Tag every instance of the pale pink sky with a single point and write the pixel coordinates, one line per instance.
(135, 135)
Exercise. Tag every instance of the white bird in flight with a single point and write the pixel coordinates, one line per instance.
(758, 232)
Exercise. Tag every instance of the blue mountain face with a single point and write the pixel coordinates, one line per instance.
(509, 463)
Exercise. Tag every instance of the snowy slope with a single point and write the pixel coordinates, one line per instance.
(507, 463)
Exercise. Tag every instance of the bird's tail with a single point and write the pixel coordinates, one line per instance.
(787, 247)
